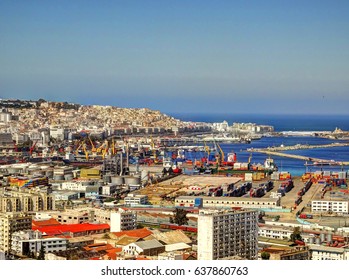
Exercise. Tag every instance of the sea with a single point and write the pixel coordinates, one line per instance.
(283, 123)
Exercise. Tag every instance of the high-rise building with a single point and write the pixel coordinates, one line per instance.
(227, 233)
(10, 223)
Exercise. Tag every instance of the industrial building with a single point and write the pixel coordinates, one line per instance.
(228, 202)
(226, 233)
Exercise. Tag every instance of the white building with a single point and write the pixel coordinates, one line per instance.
(170, 256)
(221, 127)
(328, 206)
(109, 189)
(122, 220)
(149, 248)
(24, 242)
(135, 199)
(65, 195)
(319, 252)
(227, 233)
(76, 185)
(59, 134)
(275, 232)
(5, 116)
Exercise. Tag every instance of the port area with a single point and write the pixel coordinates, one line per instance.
(163, 194)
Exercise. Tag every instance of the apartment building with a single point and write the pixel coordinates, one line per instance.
(10, 223)
(26, 201)
(226, 233)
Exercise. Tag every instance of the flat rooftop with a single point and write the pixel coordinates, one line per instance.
(201, 180)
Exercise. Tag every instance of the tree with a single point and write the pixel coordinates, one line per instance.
(296, 235)
(179, 217)
(265, 256)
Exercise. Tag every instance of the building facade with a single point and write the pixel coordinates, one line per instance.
(227, 233)
(26, 201)
(10, 223)
(134, 200)
(30, 241)
(228, 202)
(329, 206)
(122, 220)
(320, 252)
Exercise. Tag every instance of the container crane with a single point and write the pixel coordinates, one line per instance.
(93, 148)
(85, 150)
(78, 148)
(113, 146)
(105, 151)
(221, 155)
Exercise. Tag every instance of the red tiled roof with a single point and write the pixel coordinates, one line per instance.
(112, 253)
(73, 228)
(44, 223)
(139, 233)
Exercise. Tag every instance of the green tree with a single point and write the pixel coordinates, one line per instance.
(296, 235)
(265, 256)
(179, 217)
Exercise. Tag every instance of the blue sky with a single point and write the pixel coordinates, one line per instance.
(177, 56)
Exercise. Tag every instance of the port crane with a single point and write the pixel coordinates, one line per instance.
(93, 148)
(220, 155)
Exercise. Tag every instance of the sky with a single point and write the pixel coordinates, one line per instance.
(264, 57)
